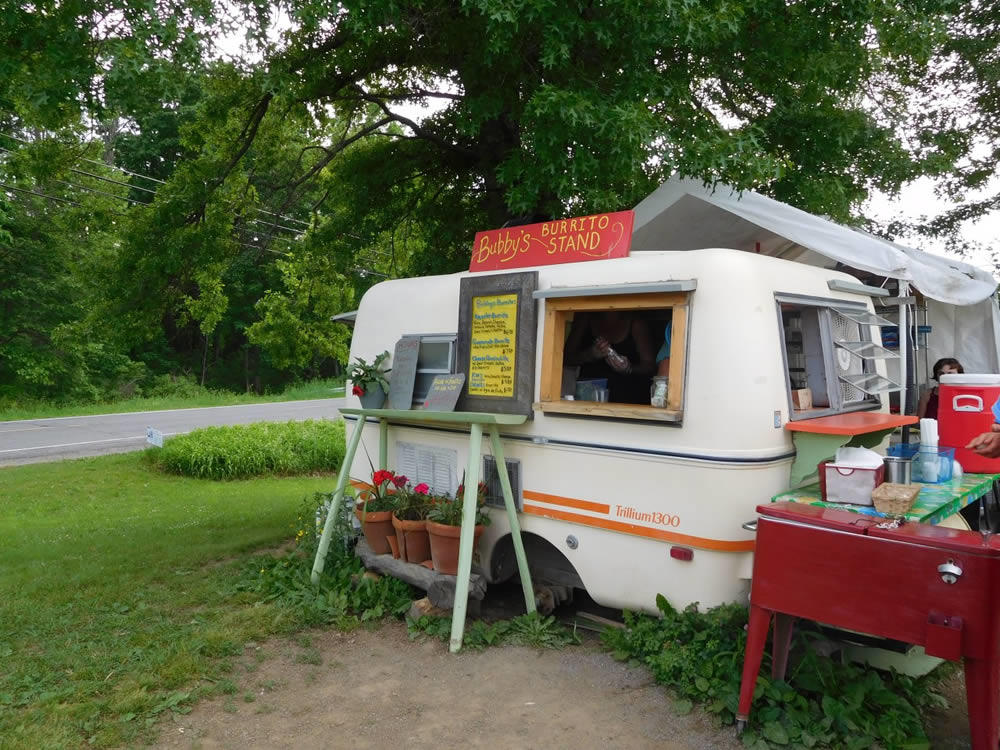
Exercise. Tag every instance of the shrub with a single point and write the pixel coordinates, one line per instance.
(821, 703)
(263, 448)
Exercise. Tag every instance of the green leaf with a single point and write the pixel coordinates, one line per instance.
(775, 732)
(683, 706)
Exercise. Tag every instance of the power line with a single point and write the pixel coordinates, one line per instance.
(101, 192)
(283, 217)
(40, 195)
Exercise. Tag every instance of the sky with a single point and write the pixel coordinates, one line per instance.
(918, 200)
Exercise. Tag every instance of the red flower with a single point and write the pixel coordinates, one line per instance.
(400, 481)
(422, 489)
(382, 476)
(357, 390)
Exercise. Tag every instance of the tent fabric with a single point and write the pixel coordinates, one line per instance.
(684, 214)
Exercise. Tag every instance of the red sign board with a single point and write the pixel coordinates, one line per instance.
(564, 241)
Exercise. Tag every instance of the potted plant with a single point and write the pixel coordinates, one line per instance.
(369, 382)
(374, 510)
(409, 514)
(444, 528)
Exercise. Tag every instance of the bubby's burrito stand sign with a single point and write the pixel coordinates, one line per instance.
(596, 237)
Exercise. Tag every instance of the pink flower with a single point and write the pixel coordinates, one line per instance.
(422, 489)
(400, 481)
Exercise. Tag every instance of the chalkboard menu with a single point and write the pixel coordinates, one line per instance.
(496, 342)
(404, 372)
(444, 392)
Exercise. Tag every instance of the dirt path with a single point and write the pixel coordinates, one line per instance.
(379, 689)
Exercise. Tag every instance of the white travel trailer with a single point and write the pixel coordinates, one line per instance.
(633, 501)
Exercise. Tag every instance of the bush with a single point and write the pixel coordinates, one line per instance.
(264, 448)
(822, 703)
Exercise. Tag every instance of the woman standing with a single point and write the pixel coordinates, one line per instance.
(613, 345)
(928, 406)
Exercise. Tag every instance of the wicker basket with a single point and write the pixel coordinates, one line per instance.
(894, 499)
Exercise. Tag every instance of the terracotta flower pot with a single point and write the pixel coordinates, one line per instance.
(444, 545)
(377, 526)
(411, 538)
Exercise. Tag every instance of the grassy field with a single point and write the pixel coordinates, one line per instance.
(331, 388)
(120, 596)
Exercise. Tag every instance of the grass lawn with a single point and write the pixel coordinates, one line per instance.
(331, 388)
(118, 593)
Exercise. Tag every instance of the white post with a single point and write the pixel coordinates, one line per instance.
(904, 341)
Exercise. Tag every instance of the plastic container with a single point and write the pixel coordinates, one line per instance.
(943, 460)
(904, 450)
(965, 403)
(848, 484)
(587, 390)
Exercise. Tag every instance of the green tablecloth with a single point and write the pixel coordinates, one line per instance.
(934, 503)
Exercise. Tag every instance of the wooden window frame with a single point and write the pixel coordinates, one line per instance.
(558, 311)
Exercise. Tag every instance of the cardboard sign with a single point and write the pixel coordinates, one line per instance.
(595, 237)
(444, 392)
(404, 372)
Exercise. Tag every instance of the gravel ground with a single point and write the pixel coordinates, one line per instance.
(378, 689)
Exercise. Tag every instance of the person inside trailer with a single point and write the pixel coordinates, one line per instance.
(928, 406)
(616, 345)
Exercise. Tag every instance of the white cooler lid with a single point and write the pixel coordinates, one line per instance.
(970, 378)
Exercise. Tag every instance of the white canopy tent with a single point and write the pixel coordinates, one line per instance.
(684, 214)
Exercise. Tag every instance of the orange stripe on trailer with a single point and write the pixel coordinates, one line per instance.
(631, 528)
(569, 502)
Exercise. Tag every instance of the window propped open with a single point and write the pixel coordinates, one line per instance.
(647, 329)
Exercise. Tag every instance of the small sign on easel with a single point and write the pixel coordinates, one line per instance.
(444, 392)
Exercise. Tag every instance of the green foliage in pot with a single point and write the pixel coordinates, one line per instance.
(447, 510)
(367, 375)
(410, 503)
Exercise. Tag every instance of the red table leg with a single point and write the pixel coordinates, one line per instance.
(760, 619)
(782, 641)
(982, 684)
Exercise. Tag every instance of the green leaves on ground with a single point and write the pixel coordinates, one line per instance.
(264, 448)
(823, 703)
(531, 630)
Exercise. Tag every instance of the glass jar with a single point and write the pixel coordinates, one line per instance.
(658, 391)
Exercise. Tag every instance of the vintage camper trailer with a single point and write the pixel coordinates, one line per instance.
(630, 501)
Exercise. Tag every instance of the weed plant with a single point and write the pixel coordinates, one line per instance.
(532, 630)
(263, 448)
(823, 703)
(343, 597)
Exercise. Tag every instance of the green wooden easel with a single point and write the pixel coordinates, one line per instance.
(476, 422)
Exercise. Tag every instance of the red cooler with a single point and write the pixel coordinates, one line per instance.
(965, 409)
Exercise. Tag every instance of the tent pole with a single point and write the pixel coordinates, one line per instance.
(904, 353)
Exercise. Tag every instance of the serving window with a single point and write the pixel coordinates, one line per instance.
(571, 383)
(830, 356)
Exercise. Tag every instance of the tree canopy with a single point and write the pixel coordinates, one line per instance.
(266, 187)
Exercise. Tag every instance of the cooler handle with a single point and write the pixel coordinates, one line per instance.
(975, 402)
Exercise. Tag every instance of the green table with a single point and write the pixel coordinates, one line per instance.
(475, 421)
(935, 502)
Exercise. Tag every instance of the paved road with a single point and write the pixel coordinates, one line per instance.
(33, 440)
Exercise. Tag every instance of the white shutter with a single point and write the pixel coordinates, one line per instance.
(438, 467)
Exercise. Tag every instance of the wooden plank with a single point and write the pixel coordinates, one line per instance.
(553, 339)
(648, 301)
(462, 417)
(678, 357)
(601, 620)
(623, 411)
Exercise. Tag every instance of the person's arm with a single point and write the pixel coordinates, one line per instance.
(579, 347)
(987, 444)
(925, 397)
(644, 346)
